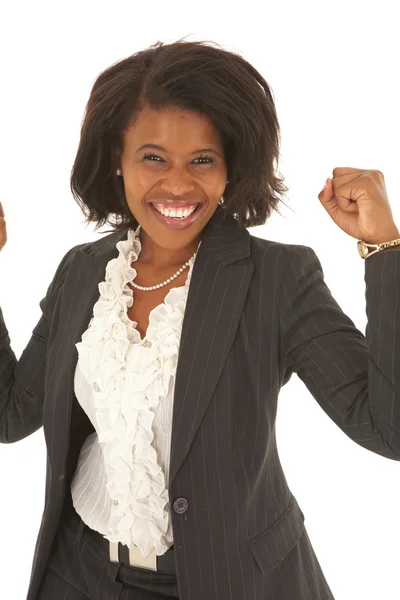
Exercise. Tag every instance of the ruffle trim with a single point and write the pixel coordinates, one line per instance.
(129, 378)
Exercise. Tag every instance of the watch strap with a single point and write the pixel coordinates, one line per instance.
(363, 247)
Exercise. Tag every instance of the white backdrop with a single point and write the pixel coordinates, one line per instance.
(331, 66)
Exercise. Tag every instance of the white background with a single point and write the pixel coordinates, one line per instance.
(332, 68)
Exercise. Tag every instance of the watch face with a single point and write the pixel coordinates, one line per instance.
(362, 249)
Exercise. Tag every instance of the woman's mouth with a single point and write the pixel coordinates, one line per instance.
(176, 222)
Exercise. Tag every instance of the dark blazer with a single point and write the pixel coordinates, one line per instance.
(257, 311)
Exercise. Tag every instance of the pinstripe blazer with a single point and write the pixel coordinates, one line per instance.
(257, 311)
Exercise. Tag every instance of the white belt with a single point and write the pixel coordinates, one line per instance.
(136, 558)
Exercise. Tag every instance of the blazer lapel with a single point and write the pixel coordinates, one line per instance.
(217, 292)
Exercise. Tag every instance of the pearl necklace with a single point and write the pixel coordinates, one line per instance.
(159, 285)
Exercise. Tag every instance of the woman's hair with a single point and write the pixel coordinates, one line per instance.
(193, 76)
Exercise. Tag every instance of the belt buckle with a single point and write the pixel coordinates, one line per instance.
(136, 558)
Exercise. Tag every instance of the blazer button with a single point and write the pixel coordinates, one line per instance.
(181, 505)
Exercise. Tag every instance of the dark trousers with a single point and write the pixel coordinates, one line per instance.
(78, 570)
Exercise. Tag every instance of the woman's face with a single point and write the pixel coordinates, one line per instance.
(175, 172)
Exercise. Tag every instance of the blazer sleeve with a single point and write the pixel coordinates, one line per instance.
(22, 381)
(354, 378)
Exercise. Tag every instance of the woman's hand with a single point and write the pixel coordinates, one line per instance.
(3, 229)
(357, 202)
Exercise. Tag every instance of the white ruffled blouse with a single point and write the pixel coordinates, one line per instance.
(125, 385)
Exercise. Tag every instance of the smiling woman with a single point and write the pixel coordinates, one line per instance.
(156, 364)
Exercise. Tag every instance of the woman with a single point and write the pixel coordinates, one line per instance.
(156, 365)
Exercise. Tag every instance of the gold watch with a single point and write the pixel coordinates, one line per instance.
(365, 253)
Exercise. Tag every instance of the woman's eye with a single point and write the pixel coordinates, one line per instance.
(148, 156)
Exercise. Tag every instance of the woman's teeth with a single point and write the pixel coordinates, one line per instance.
(175, 213)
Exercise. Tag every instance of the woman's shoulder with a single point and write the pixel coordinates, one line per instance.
(259, 246)
(100, 245)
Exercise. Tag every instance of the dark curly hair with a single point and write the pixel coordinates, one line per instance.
(189, 76)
